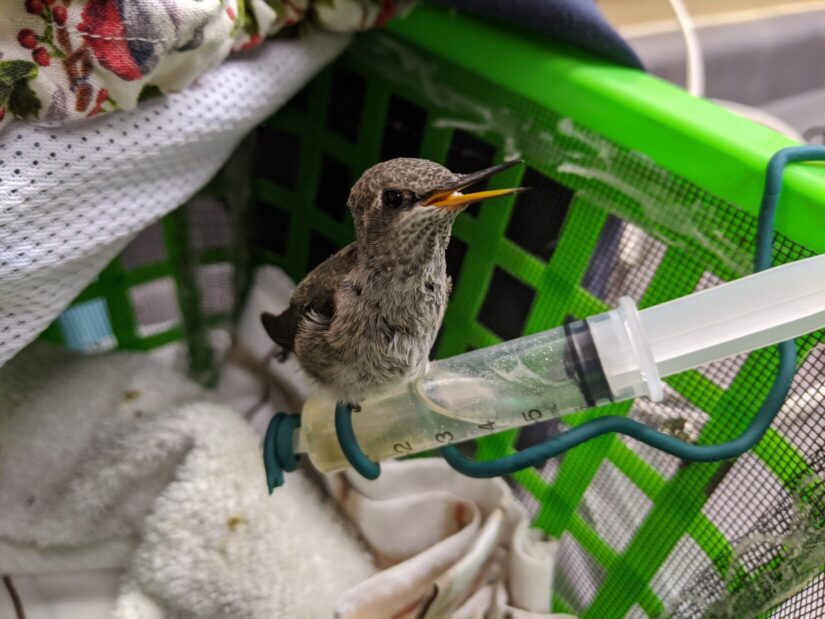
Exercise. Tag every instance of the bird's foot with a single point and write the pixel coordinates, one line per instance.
(355, 408)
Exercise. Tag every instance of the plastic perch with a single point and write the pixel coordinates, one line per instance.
(614, 356)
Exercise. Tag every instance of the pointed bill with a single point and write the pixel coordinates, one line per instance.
(450, 196)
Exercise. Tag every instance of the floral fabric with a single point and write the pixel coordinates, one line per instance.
(65, 60)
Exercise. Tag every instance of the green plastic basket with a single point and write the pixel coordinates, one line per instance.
(638, 189)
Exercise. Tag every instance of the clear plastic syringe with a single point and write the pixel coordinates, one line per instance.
(615, 356)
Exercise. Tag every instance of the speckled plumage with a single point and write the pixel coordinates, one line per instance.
(367, 317)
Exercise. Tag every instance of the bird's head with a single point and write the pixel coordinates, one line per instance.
(406, 207)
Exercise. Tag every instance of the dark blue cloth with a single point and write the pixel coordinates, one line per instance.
(575, 22)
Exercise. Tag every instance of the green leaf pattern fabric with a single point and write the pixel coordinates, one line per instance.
(15, 91)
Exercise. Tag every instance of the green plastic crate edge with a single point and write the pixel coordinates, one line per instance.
(694, 138)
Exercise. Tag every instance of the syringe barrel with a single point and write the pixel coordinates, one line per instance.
(516, 383)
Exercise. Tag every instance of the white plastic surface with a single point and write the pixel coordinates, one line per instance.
(626, 358)
(737, 317)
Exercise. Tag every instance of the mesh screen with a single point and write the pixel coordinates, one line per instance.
(601, 223)
(807, 603)
(173, 289)
(642, 533)
(72, 197)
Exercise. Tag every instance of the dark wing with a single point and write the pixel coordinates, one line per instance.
(315, 292)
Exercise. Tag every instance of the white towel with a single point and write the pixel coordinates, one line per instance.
(102, 466)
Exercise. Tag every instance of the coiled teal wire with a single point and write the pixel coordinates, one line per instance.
(701, 453)
(349, 444)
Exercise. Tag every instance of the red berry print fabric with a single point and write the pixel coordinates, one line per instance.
(65, 60)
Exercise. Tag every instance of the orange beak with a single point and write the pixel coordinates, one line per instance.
(450, 197)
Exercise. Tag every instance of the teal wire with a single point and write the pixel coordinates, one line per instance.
(274, 471)
(681, 449)
(279, 453)
(349, 444)
(770, 197)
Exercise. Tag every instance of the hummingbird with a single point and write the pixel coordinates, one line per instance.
(366, 318)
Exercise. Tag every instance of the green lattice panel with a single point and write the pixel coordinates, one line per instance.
(522, 265)
(164, 283)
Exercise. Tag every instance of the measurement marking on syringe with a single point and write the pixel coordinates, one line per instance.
(490, 425)
(402, 447)
(533, 414)
(443, 437)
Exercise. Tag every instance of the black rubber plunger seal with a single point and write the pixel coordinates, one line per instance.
(583, 357)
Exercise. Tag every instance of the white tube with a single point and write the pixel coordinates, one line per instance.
(693, 50)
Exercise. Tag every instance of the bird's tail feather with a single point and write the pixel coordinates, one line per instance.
(279, 329)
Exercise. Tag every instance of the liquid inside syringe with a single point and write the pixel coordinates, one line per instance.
(528, 380)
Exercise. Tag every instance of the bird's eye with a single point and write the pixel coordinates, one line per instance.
(392, 198)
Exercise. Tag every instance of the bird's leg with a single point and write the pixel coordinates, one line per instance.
(242, 358)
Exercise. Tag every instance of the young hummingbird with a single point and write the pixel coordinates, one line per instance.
(367, 317)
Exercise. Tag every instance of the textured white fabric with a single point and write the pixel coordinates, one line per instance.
(117, 450)
(467, 534)
(72, 197)
(114, 461)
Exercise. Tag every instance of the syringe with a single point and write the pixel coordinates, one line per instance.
(611, 357)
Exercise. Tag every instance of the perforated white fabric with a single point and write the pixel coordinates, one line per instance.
(72, 197)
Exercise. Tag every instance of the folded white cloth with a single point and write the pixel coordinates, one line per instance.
(452, 546)
(104, 465)
(251, 380)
